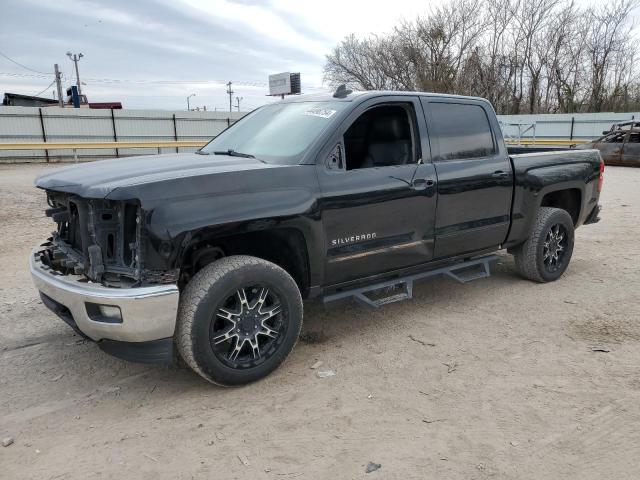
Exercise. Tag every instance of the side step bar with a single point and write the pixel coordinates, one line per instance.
(401, 288)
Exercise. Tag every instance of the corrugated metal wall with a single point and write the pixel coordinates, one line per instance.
(578, 126)
(26, 124)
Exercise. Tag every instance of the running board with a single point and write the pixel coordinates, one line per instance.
(383, 293)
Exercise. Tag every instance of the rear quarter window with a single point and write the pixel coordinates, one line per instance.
(463, 131)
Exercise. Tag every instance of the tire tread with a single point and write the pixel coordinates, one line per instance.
(526, 256)
(198, 289)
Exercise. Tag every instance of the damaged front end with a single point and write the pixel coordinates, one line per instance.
(100, 239)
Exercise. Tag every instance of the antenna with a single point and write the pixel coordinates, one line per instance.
(342, 91)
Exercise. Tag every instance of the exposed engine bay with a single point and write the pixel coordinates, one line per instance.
(100, 239)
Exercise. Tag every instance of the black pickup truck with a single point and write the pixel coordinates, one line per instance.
(208, 255)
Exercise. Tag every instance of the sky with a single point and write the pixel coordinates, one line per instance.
(152, 54)
(242, 41)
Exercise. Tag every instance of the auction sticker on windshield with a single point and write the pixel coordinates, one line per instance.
(320, 112)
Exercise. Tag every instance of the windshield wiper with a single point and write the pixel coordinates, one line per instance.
(200, 152)
(233, 153)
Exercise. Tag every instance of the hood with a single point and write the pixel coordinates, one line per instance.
(98, 179)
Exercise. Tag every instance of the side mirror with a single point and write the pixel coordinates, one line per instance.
(335, 161)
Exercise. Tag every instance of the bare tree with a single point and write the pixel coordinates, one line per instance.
(608, 39)
(523, 55)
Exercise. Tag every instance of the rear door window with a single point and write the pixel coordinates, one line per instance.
(463, 131)
(634, 137)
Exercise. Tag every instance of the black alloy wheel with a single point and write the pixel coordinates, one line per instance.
(555, 248)
(248, 327)
(238, 320)
(546, 254)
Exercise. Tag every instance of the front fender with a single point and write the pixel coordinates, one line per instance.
(254, 210)
(280, 198)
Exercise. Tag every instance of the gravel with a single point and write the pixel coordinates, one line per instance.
(524, 371)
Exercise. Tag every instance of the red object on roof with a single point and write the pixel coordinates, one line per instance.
(106, 105)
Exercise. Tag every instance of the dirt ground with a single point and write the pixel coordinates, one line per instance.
(494, 379)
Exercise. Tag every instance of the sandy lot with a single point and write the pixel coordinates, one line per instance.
(494, 379)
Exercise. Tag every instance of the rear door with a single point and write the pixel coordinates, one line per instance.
(631, 150)
(378, 191)
(475, 179)
(610, 146)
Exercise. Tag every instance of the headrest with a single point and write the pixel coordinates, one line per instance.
(389, 129)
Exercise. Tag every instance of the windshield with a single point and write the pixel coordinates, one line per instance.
(276, 133)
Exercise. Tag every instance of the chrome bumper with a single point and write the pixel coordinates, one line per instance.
(146, 313)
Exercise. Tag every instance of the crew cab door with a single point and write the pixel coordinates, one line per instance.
(631, 150)
(611, 146)
(475, 178)
(377, 190)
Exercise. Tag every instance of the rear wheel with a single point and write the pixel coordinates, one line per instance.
(546, 254)
(238, 320)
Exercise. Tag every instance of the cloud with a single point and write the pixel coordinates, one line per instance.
(184, 41)
(262, 22)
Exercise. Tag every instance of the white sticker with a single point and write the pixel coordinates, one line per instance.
(320, 112)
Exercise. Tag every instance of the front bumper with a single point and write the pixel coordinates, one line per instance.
(147, 314)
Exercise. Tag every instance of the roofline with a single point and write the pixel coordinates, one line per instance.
(365, 94)
(30, 97)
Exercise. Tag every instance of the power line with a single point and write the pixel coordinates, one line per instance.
(23, 75)
(23, 66)
(47, 88)
(174, 82)
(145, 81)
(118, 81)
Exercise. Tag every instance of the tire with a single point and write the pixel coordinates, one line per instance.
(230, 341)
(535, 257)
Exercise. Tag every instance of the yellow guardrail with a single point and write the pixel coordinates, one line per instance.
(98, 145)
(198, 143)
(75, 146)
(543, 141)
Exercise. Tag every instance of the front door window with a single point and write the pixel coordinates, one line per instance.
(380, 137)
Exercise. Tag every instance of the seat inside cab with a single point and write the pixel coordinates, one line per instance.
(380, 137)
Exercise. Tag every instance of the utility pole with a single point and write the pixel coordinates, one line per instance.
(238, 100)
(188, 106)
(58, 85)
(75, 58)
(230, 93)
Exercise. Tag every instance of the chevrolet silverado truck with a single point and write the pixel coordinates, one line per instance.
(207, 256)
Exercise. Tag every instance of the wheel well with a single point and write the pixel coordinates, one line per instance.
(285, 247)
(568, 200)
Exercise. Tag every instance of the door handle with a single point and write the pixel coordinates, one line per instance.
(500, 174)
(422, 183)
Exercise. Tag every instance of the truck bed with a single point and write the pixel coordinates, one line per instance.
(537, 175)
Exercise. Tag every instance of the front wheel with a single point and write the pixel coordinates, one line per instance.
(239, 318)
(546, 254)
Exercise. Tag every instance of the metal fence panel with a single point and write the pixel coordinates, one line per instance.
(578, 126)
(27, 124)
(21, 124)
(84, 125)
(52, 124)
